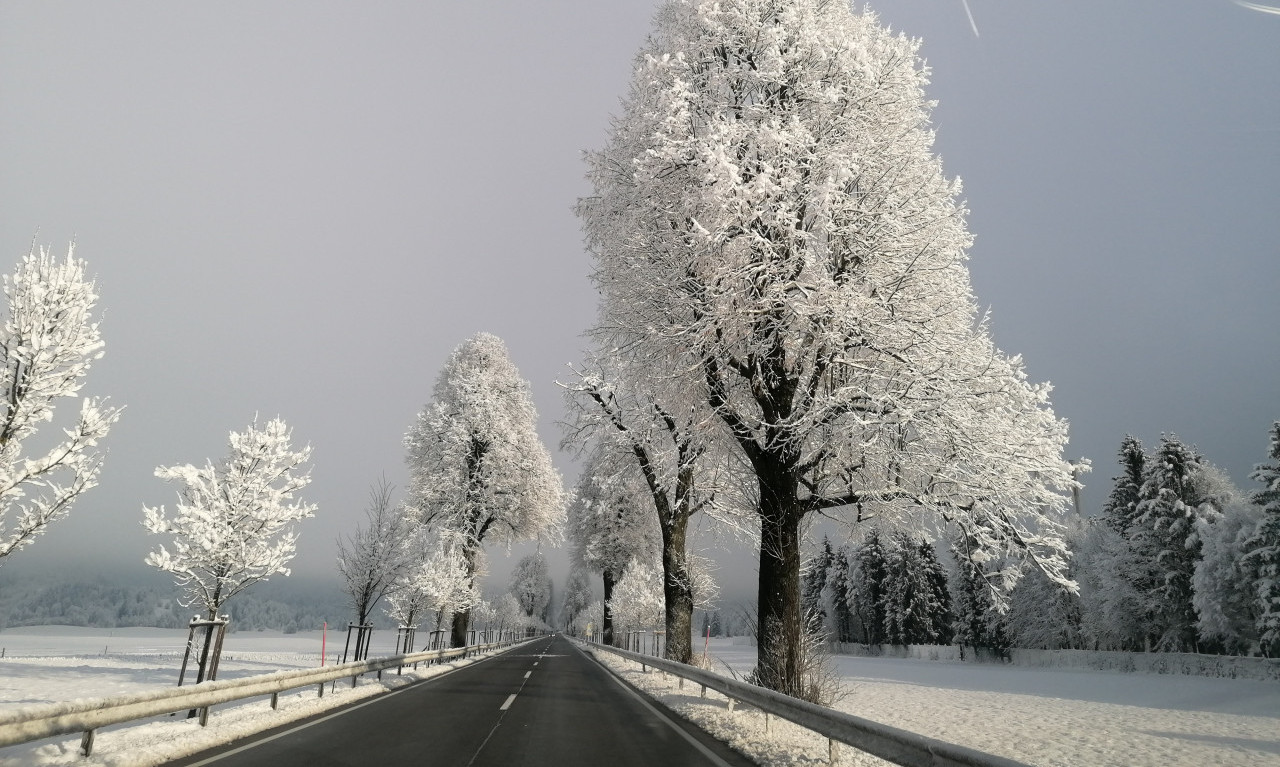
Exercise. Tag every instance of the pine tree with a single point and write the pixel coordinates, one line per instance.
(840, 585)
(813, 584)
(1122, 505)
(1165, 533)
(934, 576)
(870, 579)
(976, 620)
(1263, 548)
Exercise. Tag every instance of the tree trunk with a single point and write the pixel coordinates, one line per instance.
(677, 587)
(462, 618)
(778, 631)
(606, 630)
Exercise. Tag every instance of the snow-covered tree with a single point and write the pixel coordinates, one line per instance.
(607, 524)
(577, 598)
(768, 213)
(658, 431)
(1223, 582)
(371, 559)
(917, 604)
(446, 583)
(1113, 615)
(1263, 557)
(1178, 496)
(1121, 507)
(47, 345)
(867, 597)
(977, 621)
(813, 584)
(234, 522)
(477, 467)
(637, 601)
(531, 585)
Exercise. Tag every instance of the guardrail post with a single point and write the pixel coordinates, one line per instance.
(275, 701)
(704, 693)
(768, 723)
(833, 751)
(204, 717)
(321, 695)
(731, 705)
(86, 743)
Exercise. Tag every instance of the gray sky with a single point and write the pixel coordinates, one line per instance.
(300, 208)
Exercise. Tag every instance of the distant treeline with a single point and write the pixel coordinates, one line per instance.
(103, 602)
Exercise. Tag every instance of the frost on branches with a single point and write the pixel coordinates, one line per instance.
(477, 467)
(609, 527)
(768, 212)
(233, 524)
(48, 342)
(371, 559)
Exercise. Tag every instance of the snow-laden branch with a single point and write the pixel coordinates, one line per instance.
(234, 522)
(47, 345)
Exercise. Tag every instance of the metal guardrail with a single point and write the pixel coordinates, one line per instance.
(889, 743)
(86, 715)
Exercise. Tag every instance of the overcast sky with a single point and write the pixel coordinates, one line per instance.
(300, 208)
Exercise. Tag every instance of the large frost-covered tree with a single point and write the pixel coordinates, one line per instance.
(477, 467)
(531, 585)
(234, 522)
(577, 597)
(657, 428)
(608, 525)
(768, 213)
(371, 559)
(47, 345)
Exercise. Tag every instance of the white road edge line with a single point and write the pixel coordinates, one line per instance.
(711, 755)
(507, 704)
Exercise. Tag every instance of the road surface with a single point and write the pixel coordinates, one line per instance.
(544, 704)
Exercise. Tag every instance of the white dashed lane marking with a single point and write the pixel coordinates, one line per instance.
(507, 705)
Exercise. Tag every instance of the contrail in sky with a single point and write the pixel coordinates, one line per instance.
(972, 23)
(1258, 7)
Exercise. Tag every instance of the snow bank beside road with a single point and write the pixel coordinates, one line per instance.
(1051, 717)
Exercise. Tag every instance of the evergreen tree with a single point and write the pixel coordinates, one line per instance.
(940, 618)
(1164, 532)
(1263, 548)
(869, 583)
(813, 584)
(840, 584)
(976, 620)
(1122, 505)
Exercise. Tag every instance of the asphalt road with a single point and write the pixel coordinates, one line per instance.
(543, 704)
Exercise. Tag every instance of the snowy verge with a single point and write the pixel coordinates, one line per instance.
(1189, 664)
(163, 739)
(744, 729)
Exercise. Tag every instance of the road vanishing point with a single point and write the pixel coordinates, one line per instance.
(541, 704)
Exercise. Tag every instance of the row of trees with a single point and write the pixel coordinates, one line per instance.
(786, 326)
(1180, 560)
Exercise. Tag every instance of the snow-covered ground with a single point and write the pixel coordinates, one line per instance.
(54, 663)
(1040, 716)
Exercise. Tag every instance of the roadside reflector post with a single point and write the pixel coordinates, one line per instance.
(86, 743)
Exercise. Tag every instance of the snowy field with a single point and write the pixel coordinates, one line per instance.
(1041, 716)
(43, 664)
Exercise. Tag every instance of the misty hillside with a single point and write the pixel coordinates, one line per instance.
(114, 600)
